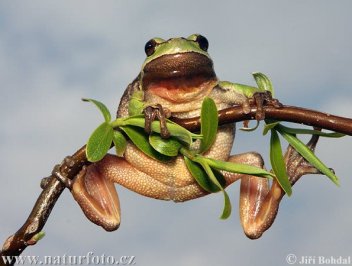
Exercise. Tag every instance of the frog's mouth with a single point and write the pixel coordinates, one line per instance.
(179, 77)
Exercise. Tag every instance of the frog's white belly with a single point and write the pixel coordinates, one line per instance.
(174, 173)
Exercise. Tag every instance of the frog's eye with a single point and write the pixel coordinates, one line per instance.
(202, 42)
(149, 47)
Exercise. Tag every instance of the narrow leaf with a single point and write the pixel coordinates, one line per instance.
(294, 131)
(168, 147)
(238, 168)
(174, 129)
(209, 124)
(263, 82)
(268, 126)
(120, 143)
(140, 139)
(99, 142)
(201, 176)
(278, 163)
(307, 154)
(103, 109)
(226, 212)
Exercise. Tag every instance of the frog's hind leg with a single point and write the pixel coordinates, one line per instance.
(97, 197)
(258, 203)
(95, 192)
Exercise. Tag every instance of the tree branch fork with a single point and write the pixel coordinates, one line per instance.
(27, 234)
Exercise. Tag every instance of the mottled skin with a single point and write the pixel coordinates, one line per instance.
(177, 74)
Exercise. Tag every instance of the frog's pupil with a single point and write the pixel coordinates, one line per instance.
(150, 47)
(203, 42)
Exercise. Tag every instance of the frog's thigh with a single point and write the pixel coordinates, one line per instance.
(120, 171)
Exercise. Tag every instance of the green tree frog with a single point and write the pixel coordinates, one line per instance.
(175, 77)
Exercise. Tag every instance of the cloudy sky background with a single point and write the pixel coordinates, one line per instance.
(53, 53)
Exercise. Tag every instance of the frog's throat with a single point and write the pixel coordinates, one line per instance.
(179, 77)
(182, 93)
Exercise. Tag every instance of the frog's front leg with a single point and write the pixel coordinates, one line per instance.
(153, 112)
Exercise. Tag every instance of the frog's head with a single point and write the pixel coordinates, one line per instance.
(179, 69)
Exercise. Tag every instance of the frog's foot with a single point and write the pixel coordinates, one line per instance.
(97, 197)
(57, 173)
(157, 111)
(296, 165)
(264, 98)
(259, 203)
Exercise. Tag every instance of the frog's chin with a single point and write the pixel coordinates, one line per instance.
(180, 77)
(182, 90)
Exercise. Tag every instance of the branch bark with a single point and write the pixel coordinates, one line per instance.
(286, 113)
(36, 220)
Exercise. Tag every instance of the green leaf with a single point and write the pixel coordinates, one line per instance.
(227, 206)
(174, 129)
(103, 109)
(238, 168)
(209, 124)
(278, 163)
(99, 142)
(307, 154)
(226, 212)
(140, 139)
(168, 147)
(263, 82)
(120, 143)
(268, 126)
(295, 131)
(202, 178)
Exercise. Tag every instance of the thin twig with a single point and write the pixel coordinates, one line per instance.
(35, 222)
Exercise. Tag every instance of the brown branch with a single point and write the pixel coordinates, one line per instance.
(286, 113)
(16, 243)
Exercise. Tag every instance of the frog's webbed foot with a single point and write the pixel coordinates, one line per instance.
(153, 112)
(95, 194)
(97, 197)
(259, 203)
(264, 98)
(296, 165)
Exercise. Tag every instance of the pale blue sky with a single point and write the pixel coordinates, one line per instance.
(53, 53)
